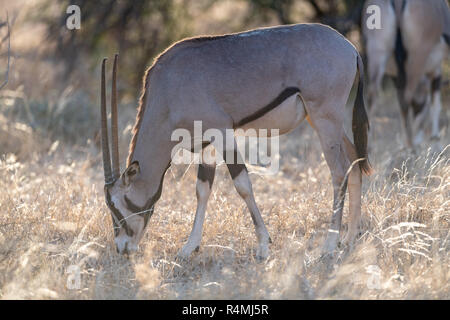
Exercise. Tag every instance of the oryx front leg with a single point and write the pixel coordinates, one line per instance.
(205, 180)
(243, 186)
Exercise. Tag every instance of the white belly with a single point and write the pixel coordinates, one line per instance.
(285, 117)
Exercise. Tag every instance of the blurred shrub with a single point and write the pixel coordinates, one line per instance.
(137, 29)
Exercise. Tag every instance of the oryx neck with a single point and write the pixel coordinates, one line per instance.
(153, 152)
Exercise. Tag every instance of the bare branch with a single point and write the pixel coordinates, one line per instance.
(9, 53)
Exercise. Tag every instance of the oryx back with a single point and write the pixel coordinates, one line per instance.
(245, 77)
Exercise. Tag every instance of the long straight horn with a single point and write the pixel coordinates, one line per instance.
(105, 145)
(114, 126)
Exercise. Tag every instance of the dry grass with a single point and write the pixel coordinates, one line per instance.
(53, 216)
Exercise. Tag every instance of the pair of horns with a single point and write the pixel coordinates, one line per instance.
(110, 175)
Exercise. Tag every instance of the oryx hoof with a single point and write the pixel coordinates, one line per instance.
(327, 257)
(262, 253)
(186, 252)
(435, 139)
(260, 258)
(327, 262)
(349, 240)
(331, 243)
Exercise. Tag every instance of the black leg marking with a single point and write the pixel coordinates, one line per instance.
(206, 173)
(417, 107)
(235, 165)
(436, 84)
(288, 92)
(236, 169)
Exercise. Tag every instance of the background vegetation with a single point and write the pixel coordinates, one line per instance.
(52, 212)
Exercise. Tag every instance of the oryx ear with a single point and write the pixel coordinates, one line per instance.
(131, 173)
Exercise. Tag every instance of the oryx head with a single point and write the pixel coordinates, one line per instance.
(124, 192)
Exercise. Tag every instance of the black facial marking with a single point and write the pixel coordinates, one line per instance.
(118, 215)
(288, 92)
(206, 173)
(146, 211)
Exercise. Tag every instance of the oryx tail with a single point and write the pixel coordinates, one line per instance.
(360, 122)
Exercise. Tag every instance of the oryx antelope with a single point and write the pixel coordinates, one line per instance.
(265, 78)
(411, 45)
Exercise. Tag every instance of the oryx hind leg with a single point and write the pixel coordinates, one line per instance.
(333, 141)
(205, 179)
(354, 195)
(243, 185)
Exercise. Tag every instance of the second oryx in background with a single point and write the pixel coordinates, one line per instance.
(411, 44)
(271, 78)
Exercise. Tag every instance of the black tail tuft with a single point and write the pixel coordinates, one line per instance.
(360, 123)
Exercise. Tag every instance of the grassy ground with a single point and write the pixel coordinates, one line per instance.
(53, 217)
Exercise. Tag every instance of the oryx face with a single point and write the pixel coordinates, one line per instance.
(124, 194)
(129, 219)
